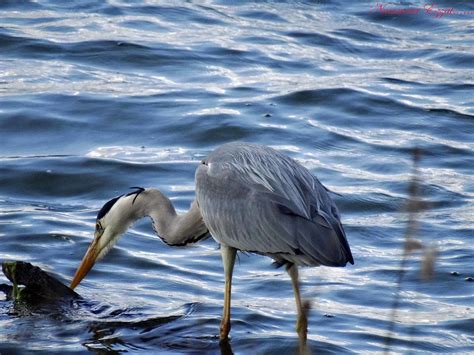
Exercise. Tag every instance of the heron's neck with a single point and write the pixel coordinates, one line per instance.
(172, 228)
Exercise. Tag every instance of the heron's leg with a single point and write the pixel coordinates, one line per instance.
(302, 322)
(228, 259)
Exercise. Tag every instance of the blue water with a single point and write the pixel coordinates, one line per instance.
(98, 96)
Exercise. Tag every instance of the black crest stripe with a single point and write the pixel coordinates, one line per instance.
(138, 191)
(106, 208)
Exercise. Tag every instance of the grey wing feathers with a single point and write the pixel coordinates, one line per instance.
(256, 199)
(278, 176)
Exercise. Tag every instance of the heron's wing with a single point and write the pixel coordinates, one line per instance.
(256, 199)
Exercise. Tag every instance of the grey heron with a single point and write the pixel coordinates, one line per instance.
(250, 198)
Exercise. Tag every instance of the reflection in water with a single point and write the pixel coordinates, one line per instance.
(226, 348)
(106, 334)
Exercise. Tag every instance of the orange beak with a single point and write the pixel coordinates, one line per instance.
(87, 263)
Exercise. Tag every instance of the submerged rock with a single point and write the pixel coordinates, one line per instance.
(39, 285)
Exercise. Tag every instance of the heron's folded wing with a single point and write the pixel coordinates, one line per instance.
(280, 208)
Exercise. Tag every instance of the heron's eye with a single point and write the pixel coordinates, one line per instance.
(203, 162)
(98, 227)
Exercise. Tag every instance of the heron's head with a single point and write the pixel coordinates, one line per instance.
(113, 220)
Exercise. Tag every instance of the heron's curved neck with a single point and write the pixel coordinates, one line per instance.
(172, 228)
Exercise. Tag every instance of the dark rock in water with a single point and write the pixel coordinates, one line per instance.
(7, 289)
(38, 284)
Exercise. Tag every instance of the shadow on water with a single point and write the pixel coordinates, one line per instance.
(107, 329)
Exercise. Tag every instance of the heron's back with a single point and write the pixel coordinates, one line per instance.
(256, 199)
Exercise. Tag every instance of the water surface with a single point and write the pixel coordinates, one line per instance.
(97, 96)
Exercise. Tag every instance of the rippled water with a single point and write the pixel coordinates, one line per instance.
(99, 96)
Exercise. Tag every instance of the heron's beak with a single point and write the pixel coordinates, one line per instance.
(87, 262)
